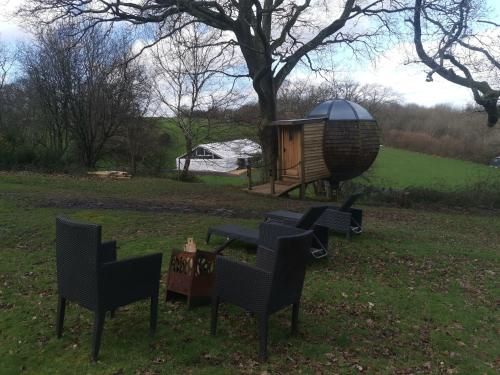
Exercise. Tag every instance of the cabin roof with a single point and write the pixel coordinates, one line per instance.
(341, 110)
(333, 110)
(300, 121)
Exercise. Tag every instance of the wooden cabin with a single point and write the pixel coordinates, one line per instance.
(338, 141)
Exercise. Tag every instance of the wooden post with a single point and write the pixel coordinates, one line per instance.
(249, 175)
(280, 153)
(271, 180)
(334, 190)
(303, 185)
(302, 164)
(329, 190)
(316, 189)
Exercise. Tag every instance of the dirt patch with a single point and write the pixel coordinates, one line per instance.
(148, 206)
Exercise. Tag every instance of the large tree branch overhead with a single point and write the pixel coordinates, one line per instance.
(269, 28)
(276, 35)
(456, 51)
(272, 35)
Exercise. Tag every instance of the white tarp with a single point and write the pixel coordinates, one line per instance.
(225, 155)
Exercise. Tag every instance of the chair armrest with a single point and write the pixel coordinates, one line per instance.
(107, 252)
(242, 284)
(144, 269)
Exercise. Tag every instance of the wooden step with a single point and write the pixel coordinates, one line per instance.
(286, 180)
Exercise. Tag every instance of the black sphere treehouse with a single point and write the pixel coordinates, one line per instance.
(338, 141)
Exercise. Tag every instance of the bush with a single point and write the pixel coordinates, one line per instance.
(483, 194)
(443, 131)
(14, 154)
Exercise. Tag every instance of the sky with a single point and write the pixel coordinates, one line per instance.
(389, 69)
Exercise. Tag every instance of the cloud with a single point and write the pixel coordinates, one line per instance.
(392, 70)
(10, 29)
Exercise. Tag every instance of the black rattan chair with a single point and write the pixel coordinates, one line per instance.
(89, 274)
(273, 283)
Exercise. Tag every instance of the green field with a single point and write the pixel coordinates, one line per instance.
(400, 169)
(416, 293)
(397, 168)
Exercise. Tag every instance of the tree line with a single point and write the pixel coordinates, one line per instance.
(454, 39)
(73, 98)
(83, 87)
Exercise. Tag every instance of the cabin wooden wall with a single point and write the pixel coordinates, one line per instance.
(314, 163)
(351, 147)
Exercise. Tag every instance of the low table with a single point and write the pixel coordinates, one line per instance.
(191, 275)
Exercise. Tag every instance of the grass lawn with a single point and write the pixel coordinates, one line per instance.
(398, 168)
(416, 293)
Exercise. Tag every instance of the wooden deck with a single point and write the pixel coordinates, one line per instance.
(280, 188)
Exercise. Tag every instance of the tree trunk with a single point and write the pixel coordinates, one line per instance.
(89, 157)
(187, 159)
(267, 134)
(133, 163)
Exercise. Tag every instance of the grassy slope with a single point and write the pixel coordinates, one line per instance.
(414, 294)
(400, 168)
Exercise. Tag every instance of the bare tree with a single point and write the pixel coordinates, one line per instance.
(191, 78)
(84, 87)
(274, 36)
(371, 96)
(143, 139)
(297, 97)
(47, 65)
(457, 41)
(8, 58)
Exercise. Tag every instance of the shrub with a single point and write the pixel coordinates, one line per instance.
(441, 130)
(477, 194)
